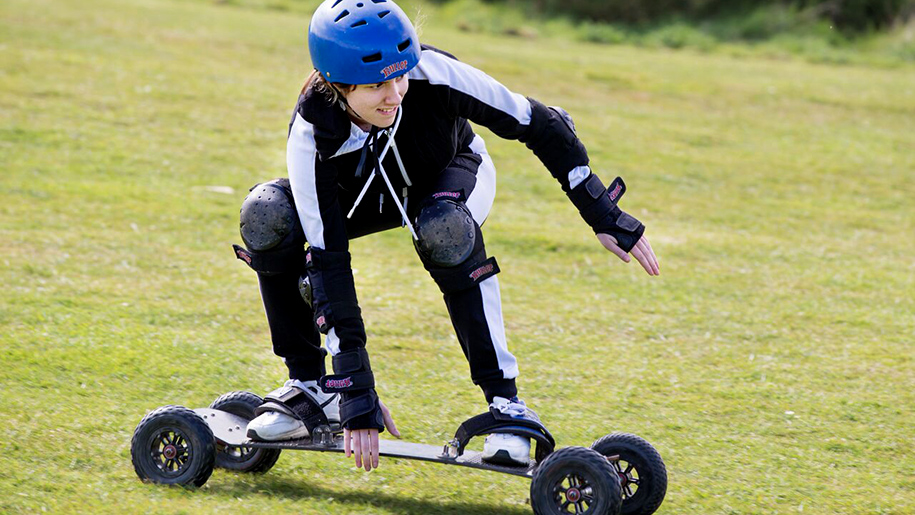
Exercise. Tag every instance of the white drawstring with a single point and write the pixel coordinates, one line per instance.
(403, 171)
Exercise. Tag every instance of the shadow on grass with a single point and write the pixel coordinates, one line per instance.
(303, 492)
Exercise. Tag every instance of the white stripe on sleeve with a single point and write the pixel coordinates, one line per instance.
(301, 156)
(578, 175)
(442, 70)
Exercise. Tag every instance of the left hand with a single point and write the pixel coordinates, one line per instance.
(363, 443)
(641, 251)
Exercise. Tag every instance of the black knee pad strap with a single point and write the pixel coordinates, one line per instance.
(466, 275)
(273, 262)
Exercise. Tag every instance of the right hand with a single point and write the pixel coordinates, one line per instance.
(642, 251)
(363, 443)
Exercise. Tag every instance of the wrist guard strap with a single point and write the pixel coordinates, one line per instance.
(597, 206)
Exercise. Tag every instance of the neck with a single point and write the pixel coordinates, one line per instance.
(358, 120)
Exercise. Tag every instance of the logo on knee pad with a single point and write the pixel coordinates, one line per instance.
(479, 272)
(449, 194)
(242, 254)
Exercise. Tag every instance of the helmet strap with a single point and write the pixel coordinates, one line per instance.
(341, 101)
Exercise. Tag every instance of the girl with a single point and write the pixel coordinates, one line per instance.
(380, 138)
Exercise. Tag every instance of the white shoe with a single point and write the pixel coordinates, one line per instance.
(273, 425)
(503, 448)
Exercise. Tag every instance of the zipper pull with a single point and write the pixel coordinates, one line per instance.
(380, 202)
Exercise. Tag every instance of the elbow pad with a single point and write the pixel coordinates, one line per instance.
(597, 206)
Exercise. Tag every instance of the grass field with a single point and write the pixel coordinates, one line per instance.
(771, 363)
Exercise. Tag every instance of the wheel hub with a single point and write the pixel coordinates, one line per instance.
(170, 452)
(573, 495)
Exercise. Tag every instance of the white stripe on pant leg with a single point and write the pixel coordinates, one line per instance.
(492, 310)
(479, 202)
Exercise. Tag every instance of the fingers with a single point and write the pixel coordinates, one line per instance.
(651, 259)
(654, 257)
(357, 446)
(365, 447)
(642, 252)
(645, 256)
(610, 243)
(374, 450)
(367, 457)
(388, 420)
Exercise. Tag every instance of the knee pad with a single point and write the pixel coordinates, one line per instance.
(451, 245)
(270, 229)
(447, 232)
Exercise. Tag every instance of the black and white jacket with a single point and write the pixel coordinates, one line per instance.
(324, 146)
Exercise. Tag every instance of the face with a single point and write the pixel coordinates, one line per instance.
(377, 104)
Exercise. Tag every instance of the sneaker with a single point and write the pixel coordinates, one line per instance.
(273, 425)
(503, 448)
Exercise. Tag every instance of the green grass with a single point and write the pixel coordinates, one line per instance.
(770, 364)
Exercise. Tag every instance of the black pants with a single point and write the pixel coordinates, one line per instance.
(476, 313)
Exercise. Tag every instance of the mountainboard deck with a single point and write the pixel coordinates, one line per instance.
(229, 430)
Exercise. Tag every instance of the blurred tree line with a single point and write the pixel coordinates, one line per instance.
(856, 15)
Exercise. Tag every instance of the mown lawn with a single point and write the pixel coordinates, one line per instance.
(770, 363)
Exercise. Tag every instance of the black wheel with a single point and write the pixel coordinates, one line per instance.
(642, 474)
(173, 446)
(575, 480)
(243, 459)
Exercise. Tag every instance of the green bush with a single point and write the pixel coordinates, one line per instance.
(679, 35)
(601, 33)
(855, 15)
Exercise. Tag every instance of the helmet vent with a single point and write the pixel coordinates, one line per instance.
(372, 58)
(405, 45)
(336, 4)
(342, 15)
(358, 24)
(382, 14)
(379, 1)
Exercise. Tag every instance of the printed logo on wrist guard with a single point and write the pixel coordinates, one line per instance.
(339, 383)
(615, 193)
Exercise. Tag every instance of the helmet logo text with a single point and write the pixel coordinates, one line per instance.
(394, 68)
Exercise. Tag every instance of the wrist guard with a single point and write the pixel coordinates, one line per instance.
(597, 206)
(353, 379)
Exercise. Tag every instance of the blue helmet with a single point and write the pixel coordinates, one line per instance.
(362, 41)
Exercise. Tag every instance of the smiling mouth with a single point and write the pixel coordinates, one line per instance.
(388, 112)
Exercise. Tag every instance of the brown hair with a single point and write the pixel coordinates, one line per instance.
(319, 84)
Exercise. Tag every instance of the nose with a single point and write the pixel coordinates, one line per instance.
(394, 92)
